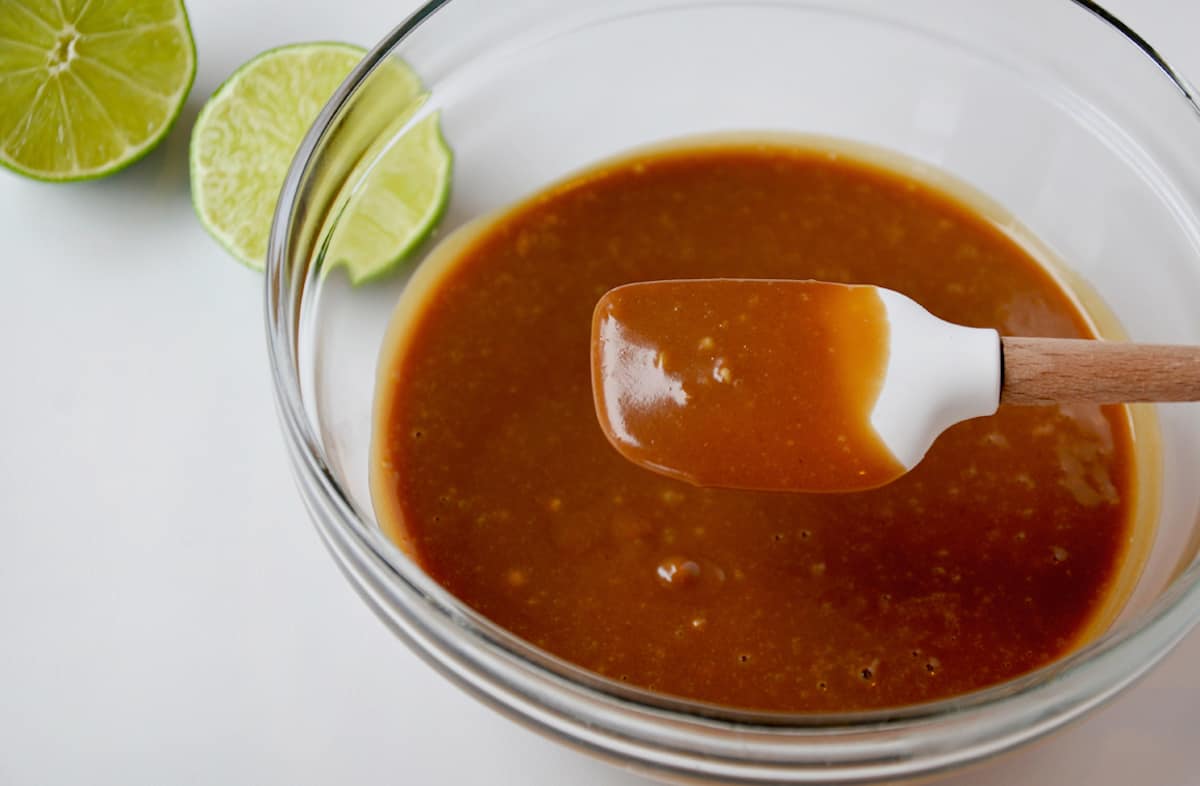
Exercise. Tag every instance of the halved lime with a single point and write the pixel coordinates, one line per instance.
(247, 134)
(89, 87)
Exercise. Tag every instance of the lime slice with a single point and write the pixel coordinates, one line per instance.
(87, 88)
(247, 134)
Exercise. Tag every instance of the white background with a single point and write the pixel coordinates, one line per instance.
(167, 613)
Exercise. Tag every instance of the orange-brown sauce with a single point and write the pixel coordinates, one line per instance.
(749, 384)
(991, 558)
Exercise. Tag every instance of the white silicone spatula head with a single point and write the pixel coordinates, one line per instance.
(783, 385)
(938, 374)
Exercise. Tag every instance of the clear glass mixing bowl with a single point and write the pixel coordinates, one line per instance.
(1052, 107)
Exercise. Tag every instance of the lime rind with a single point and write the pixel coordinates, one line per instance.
(27, 45)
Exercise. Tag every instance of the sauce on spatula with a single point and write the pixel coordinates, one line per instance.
(755, 384)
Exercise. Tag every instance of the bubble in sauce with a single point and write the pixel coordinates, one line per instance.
(678, 572)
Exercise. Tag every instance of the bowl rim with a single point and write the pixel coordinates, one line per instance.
(514, 676)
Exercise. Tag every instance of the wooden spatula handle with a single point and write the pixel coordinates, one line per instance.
(1045, 370)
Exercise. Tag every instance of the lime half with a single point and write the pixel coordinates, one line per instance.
(89, 87)
(247, 134)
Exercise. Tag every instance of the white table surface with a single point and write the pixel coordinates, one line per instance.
(168, 614)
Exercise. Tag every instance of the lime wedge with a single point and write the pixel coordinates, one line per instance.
(247, 134)
(87, 88)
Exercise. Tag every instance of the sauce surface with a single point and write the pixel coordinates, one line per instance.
(747, 384)
(992, 557)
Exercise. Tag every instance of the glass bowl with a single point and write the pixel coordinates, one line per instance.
(1053, 108)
